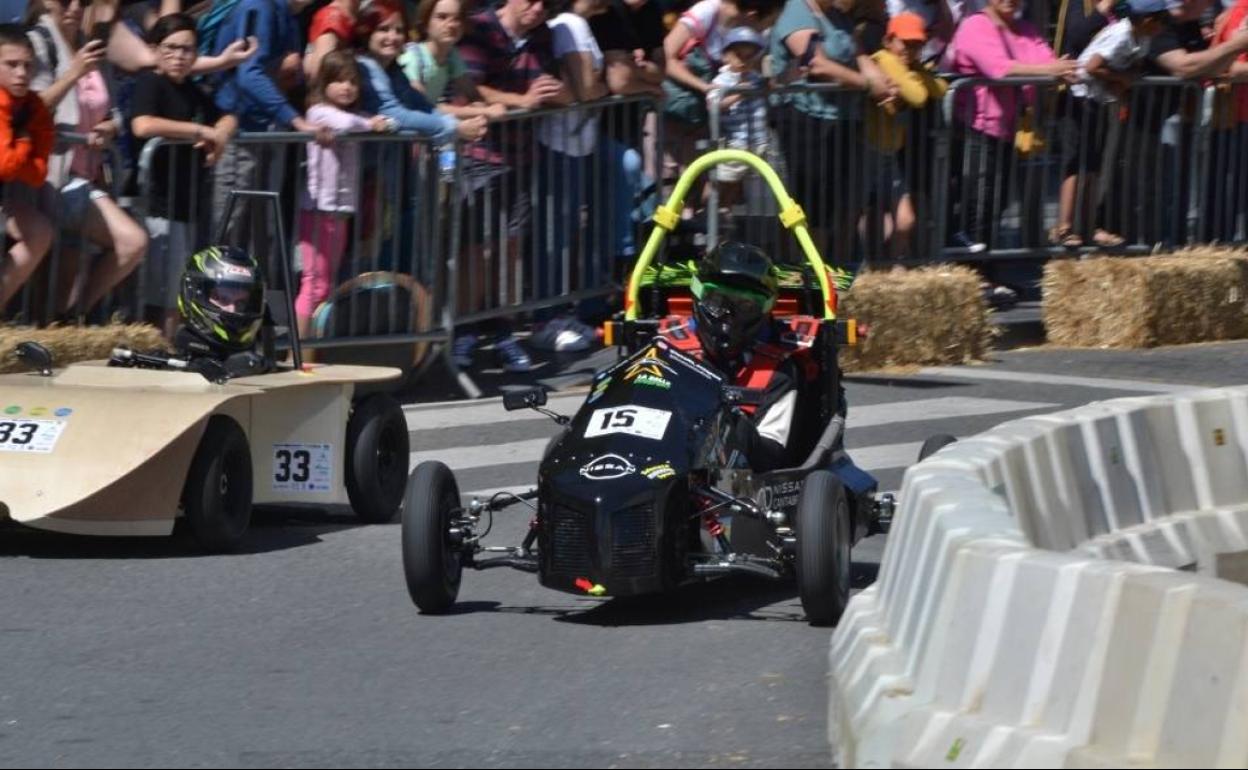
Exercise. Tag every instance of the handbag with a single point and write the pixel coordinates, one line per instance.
(1028, 137)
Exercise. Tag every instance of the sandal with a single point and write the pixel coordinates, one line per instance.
(1107, 240)
(1065, 237)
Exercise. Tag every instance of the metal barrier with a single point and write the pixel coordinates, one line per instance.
(862, 174)
(1128, 167)
(400, 241)
(363, 214)
(544, 207)
(544, 212)
(914, 185)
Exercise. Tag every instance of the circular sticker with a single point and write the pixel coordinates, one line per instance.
(63, 412)
(38, 411)
(12, 409)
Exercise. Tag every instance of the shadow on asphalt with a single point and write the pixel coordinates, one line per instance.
(729, 598)
(272, 529)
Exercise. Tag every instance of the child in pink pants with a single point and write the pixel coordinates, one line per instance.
(329, 201)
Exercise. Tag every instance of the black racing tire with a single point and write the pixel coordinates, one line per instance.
(431, 564)
(823, 548)
(378, 448)
(934, 444)
(217, 494)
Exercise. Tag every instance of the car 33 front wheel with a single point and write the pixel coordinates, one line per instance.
(217, 495)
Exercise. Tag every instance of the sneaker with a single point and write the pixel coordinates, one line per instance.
(461, 350)
(960, 240)
(1000, 297)
(562, 335)
(514, 359)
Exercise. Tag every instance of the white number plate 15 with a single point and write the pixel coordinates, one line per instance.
(30, 435)
(302, 467)
(633, 420)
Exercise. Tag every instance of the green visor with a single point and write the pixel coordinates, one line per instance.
(762, 300)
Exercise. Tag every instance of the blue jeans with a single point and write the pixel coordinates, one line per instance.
(606, 182)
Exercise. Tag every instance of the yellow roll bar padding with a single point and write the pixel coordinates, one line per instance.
(791, 216)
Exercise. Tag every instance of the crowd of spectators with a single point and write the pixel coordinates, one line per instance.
(111, 75)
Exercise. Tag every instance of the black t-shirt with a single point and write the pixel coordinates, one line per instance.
(621, 28)
(178, 170)
(1176, 36)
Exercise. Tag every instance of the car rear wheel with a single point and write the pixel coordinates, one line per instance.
(378, 448)
(823, 548)
(431, 560)
(934, 444)
(216, 498)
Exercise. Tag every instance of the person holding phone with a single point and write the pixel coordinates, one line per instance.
(69, 80)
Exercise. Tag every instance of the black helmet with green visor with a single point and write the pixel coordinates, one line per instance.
(221, 298)
(735, 289)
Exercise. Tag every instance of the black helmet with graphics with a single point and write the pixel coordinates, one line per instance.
(221, 298)
(735, 288)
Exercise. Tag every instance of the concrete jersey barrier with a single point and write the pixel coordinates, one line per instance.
(1056, 592)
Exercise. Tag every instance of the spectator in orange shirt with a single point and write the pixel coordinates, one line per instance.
(26, 137)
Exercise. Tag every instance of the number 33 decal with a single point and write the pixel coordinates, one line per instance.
(300, 459)
(18, 434)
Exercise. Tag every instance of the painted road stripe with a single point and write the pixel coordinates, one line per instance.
(439, 416)
(860, 416)
(1103, 383)
(872, 458)
(461, 458)
(936, 409)
(466, 458)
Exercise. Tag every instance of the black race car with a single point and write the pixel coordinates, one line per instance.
(646, 487)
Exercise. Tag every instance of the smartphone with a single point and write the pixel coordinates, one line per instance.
(809, 55)
(100, 31)
(249, 27)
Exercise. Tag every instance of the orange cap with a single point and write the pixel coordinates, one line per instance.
(908, 26)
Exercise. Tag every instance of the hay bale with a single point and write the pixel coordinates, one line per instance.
(928, 316)
(1196, 295)
(76, 343)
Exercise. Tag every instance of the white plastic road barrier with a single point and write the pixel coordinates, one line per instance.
(1058, 592)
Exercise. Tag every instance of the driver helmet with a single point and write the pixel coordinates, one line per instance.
(221, 298)
(734, 289)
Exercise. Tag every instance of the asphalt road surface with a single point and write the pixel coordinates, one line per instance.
(305, 650)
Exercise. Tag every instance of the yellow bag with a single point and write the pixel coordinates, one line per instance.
(1028, 140)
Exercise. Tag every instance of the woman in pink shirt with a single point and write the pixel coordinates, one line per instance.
(993, 44)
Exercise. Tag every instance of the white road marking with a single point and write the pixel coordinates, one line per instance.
(1103, 383)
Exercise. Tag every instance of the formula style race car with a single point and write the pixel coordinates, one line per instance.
(644, 489)
(131, 445)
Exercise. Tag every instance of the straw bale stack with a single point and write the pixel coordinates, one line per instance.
(76, 343)
(1196, 295)
(928, 316)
